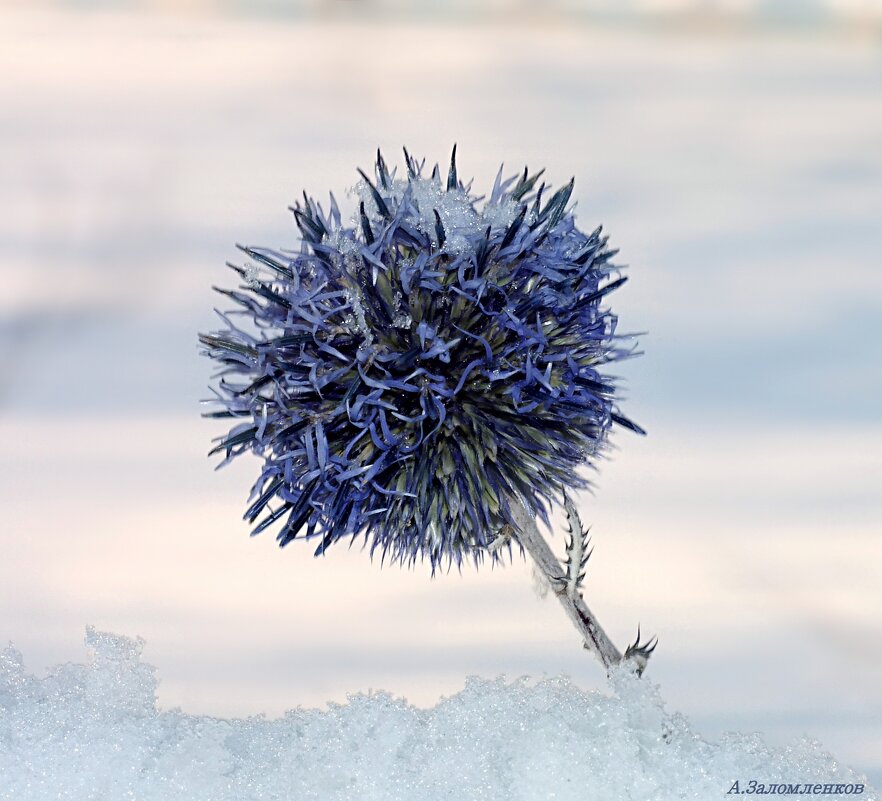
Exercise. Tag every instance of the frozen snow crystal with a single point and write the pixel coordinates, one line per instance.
(455, 207)
(94, 732)
(252, 274)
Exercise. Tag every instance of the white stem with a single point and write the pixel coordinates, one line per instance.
(595, 638)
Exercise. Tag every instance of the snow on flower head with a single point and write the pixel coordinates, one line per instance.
(408, 376)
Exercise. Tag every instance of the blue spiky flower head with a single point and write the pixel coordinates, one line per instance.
(410, 375)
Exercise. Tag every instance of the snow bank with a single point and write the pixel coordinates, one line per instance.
(94, 732)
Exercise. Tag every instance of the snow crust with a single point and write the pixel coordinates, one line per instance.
(93, 731)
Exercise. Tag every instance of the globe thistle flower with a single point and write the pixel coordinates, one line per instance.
(409, 376)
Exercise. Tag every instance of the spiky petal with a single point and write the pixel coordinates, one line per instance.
(411, 375)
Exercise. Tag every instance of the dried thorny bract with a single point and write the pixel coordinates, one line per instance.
(411, 374)
(639, 652)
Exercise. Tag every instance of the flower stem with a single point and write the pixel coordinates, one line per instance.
(594, 637)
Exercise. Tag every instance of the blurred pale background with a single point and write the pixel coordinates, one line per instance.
(734, 153)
